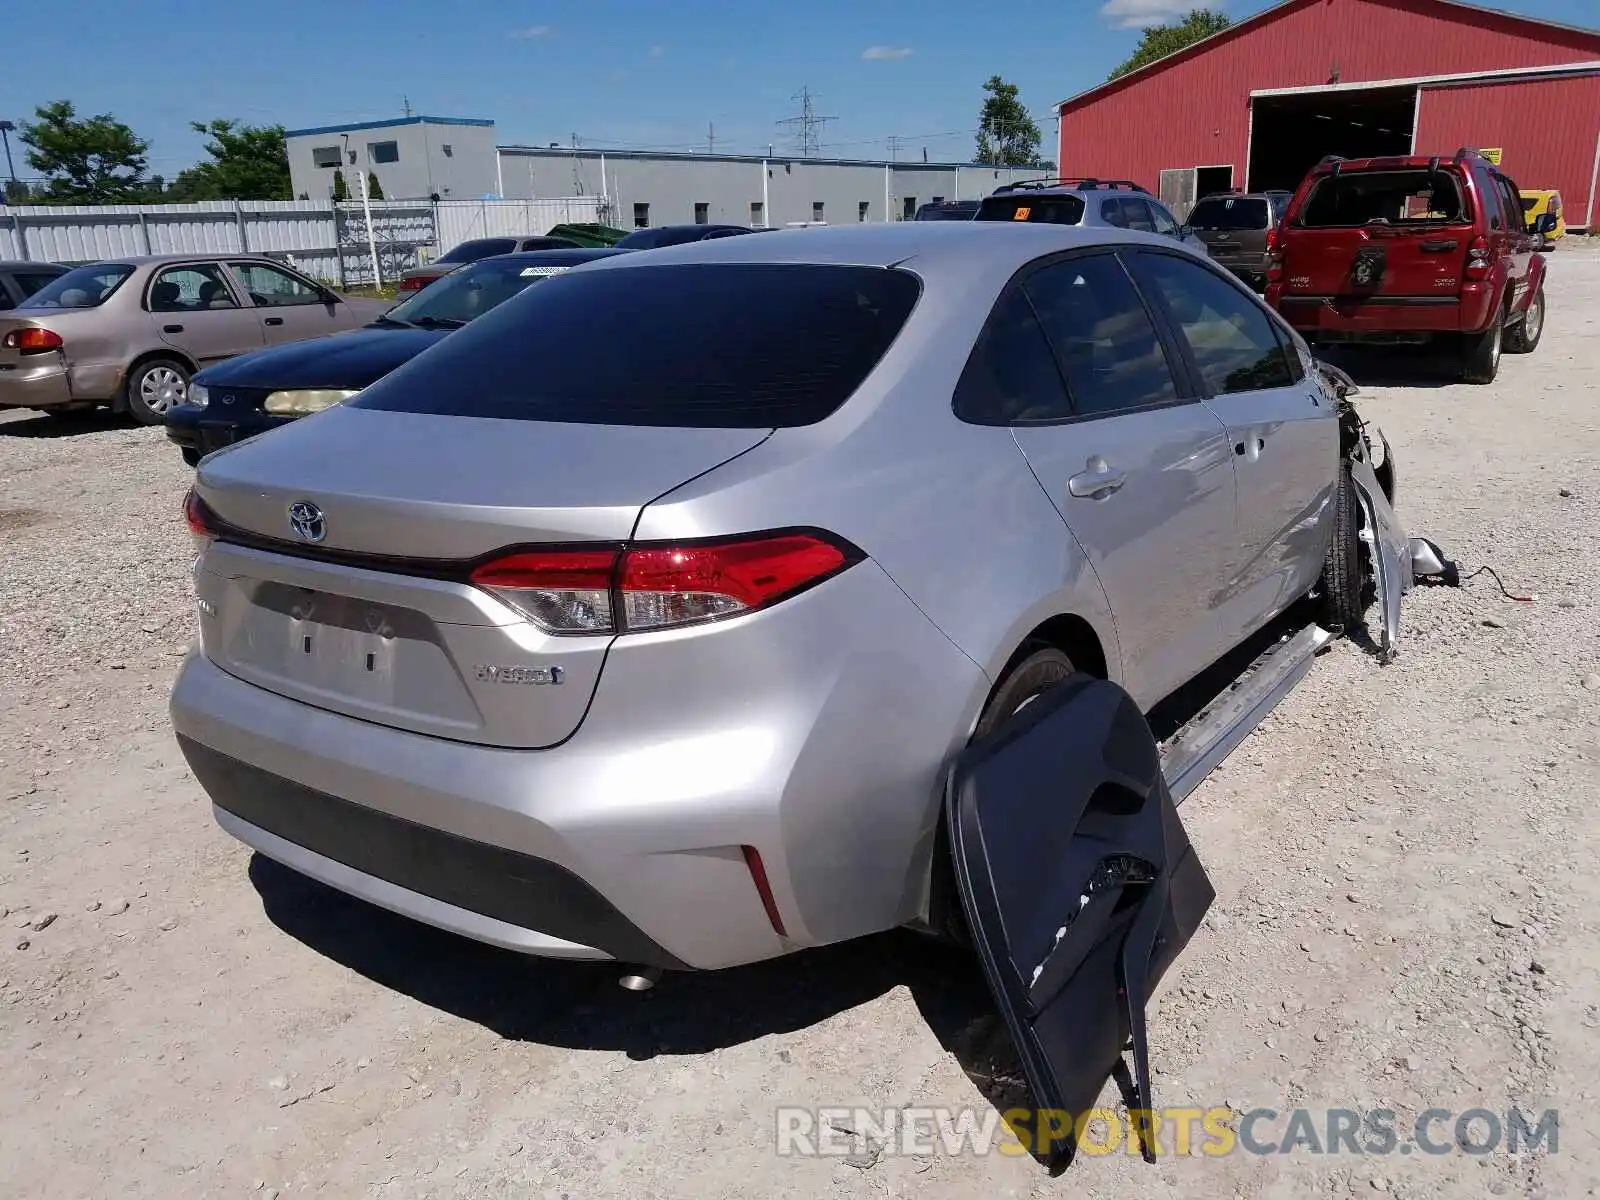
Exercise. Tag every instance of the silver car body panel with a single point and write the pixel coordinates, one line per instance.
(815, 731)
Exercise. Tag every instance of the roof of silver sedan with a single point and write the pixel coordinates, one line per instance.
(156, 260)
(885, 245)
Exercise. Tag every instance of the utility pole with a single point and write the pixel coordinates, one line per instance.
(808, 123)
(711, 139)
(405, 102)
(577, 181)
(5, 135)
(894, 147)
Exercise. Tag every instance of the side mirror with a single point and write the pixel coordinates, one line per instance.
(1185, 231)
(1544, 223)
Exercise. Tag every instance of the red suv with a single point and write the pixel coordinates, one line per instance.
(1411, 249)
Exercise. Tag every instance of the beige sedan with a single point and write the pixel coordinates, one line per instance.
(129, 333)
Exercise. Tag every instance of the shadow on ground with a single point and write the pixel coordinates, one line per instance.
(580, 1005)
(65, 424)
(1394, 366)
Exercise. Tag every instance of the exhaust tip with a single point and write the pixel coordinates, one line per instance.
(641, 980)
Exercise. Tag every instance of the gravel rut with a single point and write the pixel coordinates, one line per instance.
(1408, 915)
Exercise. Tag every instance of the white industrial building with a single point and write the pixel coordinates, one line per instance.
(454, 158)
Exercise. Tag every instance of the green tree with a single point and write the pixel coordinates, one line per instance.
(1158, 41)
(1007, 135)
(247, 162)
(92, 160)
(341, 189)
(374, 188)
(17, 192)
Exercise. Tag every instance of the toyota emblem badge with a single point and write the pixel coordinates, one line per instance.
(307, 521)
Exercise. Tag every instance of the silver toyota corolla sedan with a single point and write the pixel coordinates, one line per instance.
(640, 618)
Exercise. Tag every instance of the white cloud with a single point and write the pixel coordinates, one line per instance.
(533, 31)
(887, 53)
(657, 51)
(1139, 14)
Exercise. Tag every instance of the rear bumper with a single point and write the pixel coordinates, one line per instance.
(815, 732)
(1356, 317)
(41, 384)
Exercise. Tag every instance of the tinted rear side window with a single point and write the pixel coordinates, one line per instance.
(701, 345)
(1051, 210)
(1230, 213)
(481, 248)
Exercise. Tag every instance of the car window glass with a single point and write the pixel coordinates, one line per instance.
(1229, 334)
(1057, 209)
(1011, 376)
(1512, 203)
(1102, 335)
(1292, 352)
(1163, 219)
(709, 346)
(82, 287)
(1391, 197)
(1229, 214)
(1112, 212)
(471, 291)
(30, 282)
(478, 248)
(271, 288)
(190, 289)
(1138, 215)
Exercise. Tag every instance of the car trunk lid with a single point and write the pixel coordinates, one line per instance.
(361, 602)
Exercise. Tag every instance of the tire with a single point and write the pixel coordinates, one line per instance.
(154, 387)
(1522, 337)
(1343, 585)
(1041, 670)
(1480, 360)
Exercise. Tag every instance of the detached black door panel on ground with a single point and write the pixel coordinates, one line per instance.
(1079, 885)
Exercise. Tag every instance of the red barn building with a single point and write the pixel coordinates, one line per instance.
(1258, 104)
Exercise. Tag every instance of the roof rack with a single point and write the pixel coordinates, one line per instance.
(1082, 183)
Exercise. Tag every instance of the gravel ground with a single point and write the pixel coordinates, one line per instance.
(1406, 914)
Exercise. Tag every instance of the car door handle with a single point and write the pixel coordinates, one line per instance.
(273, 320)
(172, 329)
(1440, 247)
(1259, 444)
(1098, 482)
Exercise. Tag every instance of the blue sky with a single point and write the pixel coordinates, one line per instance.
(616, 74)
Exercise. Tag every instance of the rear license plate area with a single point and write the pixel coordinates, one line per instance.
(341, 645)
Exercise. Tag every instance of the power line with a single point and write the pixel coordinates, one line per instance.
(808, 123)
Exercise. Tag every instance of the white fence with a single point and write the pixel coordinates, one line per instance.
(331, 243)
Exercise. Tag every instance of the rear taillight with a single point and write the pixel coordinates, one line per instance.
(1274, 257)
(202, 523)
(1478, 258)
(33, 341)
(413, 284)
(639, 588)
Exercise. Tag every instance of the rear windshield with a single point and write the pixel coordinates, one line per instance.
(479, 248)
(1229, 212)
(468, 293)
(82, 287)
(1355, 198)
(701, 345)
(1052, 210)
(946, 212)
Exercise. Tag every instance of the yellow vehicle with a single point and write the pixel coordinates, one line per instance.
(1537, 202)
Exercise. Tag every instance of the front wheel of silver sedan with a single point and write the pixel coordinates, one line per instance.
(155, 388)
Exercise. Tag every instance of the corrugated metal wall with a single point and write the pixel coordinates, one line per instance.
(1548, 132)
(463, 219)
(331, 244)
(1196, 112)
